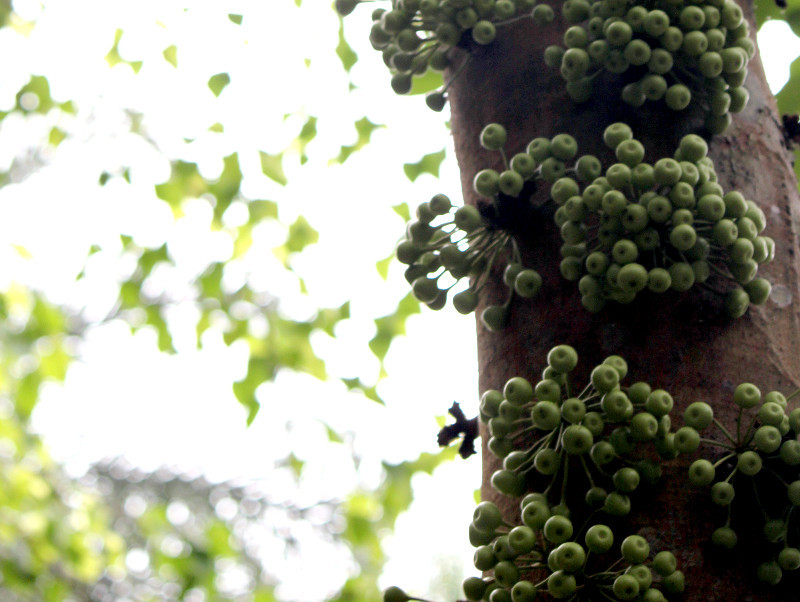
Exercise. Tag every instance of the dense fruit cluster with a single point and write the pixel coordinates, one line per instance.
(571, 562)
(589, 443)
(759, 466)
(666, 226)
(666, 49)
(442, 247)
(417, 35)
(543, 159)
(468, 242)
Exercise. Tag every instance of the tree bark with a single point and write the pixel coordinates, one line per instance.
(681, 342)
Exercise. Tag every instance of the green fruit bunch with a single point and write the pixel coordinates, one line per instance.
(592, 443)
(442, 246)
(417, 35)
(665, 226)
(759, 466)
(571, 563)
(664, 49)
(446, 244)
(543, 160)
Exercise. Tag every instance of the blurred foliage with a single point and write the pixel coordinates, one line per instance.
(189, 537)
(55, 536)
(118, 533)
(372, 514)
(769, 9)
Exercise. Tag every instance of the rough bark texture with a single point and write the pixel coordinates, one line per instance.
(680, 342)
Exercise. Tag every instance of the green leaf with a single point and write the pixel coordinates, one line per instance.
(185, 181)
(295, 463)
(392, 325)
(327, 318)
(237, 19)
(765, 10)
(287, 345)
(130, 294)
(217, 128)
(27, 394)
(21, 251)
(792, 16)
(333, 436)
(57, 136)
(5, 11)
(217, 83)
(237, 331)
(364, 128)
(383, 266)
(397, 490)
(151, 257)
(211, 281)
(306, 135)
(171, 55)
(114, 58)
(343, 50)
(272, 166)
(428, 164)
(35, 96)
(301, 234)
(427, 82)
(768, 9)
(218, 537)
(49, 319)
(155, 319)
(403, 211)
(53, 364)
(245, 390)
(370, 392)
(226, 187)
(261, 210)
(789, 96)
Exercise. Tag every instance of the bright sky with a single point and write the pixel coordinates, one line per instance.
(180, 411)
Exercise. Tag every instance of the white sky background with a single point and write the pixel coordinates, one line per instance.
(180, 411)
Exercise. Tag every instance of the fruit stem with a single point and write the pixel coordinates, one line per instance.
(717, 443)
(456, 73)
(564, 480)
(758, 500)
(739, 425)
(723, 459)
(724, 431)
(749, 433)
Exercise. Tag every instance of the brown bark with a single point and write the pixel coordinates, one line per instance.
(680, 342)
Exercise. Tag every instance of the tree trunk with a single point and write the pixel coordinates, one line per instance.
(681, 342)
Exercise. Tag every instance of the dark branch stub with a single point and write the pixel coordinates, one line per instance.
(791, 130)
(462, 425)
